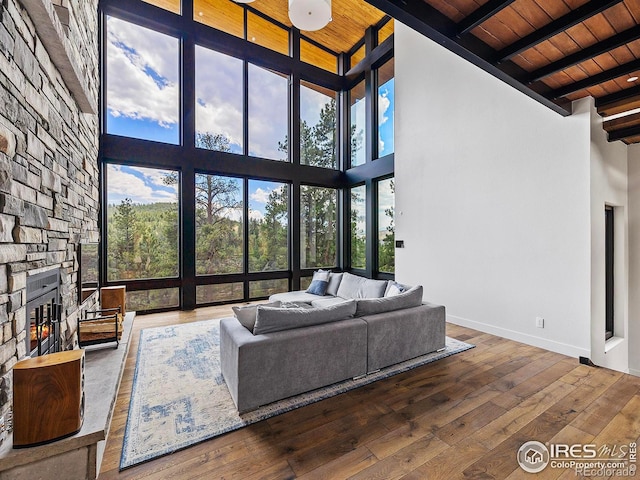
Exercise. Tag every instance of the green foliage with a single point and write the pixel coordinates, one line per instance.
(268, 237)
(318, 143)
(218, 225)
(358, 236)
(386, 247)
(318, 224)
(142, 240)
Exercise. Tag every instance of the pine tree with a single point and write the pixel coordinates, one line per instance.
(123, 249)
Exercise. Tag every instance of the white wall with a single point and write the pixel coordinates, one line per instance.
(609, 187)
(492, 199)
(634, 257)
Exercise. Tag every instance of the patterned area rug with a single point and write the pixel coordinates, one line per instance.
(179, 397)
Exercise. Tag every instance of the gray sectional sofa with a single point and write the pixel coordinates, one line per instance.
(301, 341)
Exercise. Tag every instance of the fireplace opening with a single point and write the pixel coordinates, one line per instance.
(44, 312)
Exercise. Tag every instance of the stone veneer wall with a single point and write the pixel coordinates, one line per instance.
(49, 198)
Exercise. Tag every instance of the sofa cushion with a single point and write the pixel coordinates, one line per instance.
(353, 286)
(247, 315)
(371, 306)
(334, 283)
(319, 282)
(275, 319)
(327, 301)
(395, 288)
(298, 296)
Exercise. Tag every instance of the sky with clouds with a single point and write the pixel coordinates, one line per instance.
(146, 185)
(143, 102)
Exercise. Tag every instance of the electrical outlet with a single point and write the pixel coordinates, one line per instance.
(539, 322)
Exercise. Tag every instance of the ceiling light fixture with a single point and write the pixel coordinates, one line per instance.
(308, 15)
(632, 79)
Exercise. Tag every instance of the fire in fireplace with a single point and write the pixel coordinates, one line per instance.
(44, 312)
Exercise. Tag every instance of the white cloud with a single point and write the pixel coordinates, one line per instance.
(260, 195)
(311, 104)
(142, 68)
(386, 199)
(383, 105)
(155, 177)
(219, 90)
(234, 214)
(268, 112)
(256, 215)
(127, 185)
(358, 116)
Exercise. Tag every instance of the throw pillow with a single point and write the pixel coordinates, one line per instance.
(395, 288)
(247, 315)
(354, 286)
(349, 285)
(319, 283)
(372, 288)
(334, 283)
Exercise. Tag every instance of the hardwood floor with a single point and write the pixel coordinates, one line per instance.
(462, 417)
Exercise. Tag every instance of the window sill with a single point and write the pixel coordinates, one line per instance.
(612, 343)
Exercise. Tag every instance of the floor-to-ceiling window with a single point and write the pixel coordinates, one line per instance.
(239, 131)
(371, 147)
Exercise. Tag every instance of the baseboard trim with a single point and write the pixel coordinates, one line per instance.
(558, 347)
(634, 372)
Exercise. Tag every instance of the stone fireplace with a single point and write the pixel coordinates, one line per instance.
(49, 180)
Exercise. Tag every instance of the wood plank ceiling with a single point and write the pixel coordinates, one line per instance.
(350, 19)
(556, 51)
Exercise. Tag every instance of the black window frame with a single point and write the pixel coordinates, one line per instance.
(609, 250)
(189, 160)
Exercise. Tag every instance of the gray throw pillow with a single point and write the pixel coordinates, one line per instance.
(319, 283)
(334, 283)
(372, 288)
(275, 319)
(349, 285)
(371, 306)
(353, 286)
(247, 315)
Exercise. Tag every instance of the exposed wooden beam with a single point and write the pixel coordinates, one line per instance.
(599, 48)
(431, 23)
(624, 133)
(572, 18)
(596, 79)
(606, 101)
(481, 14)
(631, 103)
(627, 121)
